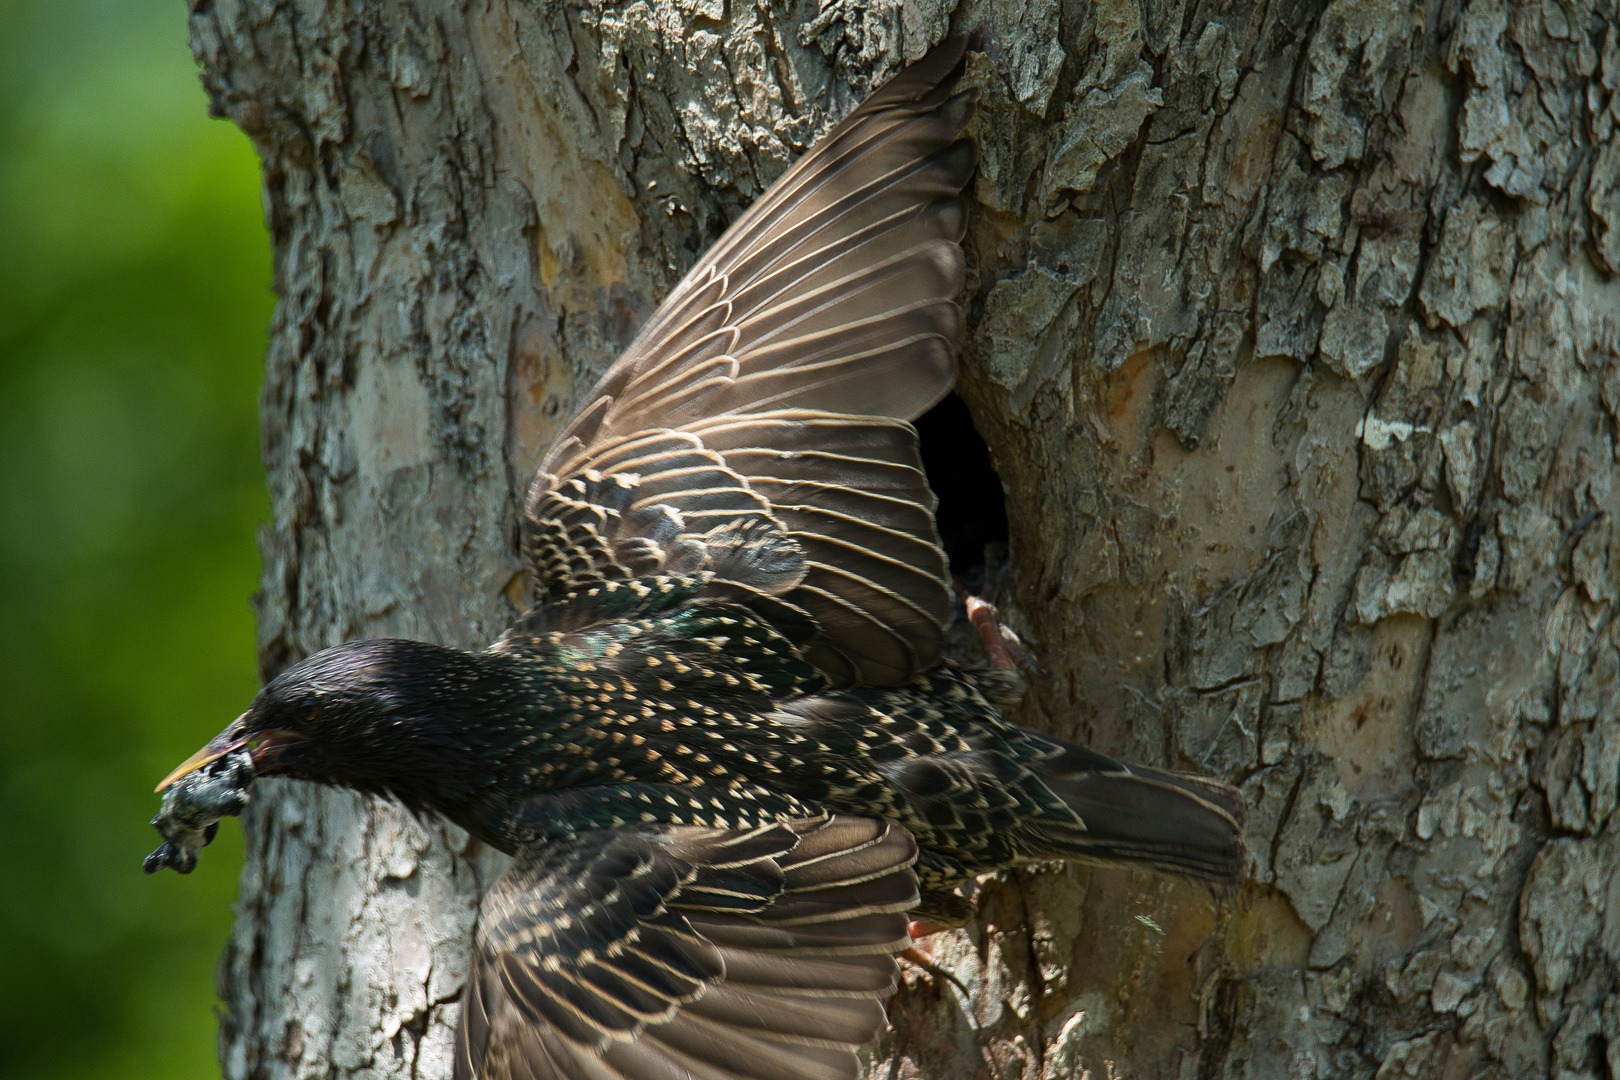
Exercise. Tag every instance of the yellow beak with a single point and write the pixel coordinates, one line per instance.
(206, 756)
(224, 743)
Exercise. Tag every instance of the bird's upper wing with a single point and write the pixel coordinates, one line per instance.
(757, 428)
(686, 953)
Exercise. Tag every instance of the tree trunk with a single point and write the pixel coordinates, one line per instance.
(1295, 336)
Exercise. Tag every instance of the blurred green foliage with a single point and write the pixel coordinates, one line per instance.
(134, 295)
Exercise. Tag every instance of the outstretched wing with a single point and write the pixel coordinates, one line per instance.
(681, 952)
(758, 429)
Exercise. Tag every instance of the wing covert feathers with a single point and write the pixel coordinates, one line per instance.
(772, 390)
(691, 953)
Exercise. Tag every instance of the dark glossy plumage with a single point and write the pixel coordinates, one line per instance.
(722, 744)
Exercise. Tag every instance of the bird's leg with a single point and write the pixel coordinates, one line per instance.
(922, 958)
(939, 910)
(919, 953)
(926, 927)
(917, 929)
(1006, 652)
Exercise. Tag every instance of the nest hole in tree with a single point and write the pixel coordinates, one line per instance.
(972, 509)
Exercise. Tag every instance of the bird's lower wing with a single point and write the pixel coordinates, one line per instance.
(685, 953)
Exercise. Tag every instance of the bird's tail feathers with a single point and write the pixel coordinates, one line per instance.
(1174, 822)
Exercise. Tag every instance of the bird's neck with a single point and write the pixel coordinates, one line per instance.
(446, 733)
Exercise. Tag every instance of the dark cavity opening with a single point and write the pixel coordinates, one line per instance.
(972, 510)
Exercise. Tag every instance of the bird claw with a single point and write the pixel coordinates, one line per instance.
(922, 959)
(192, 808)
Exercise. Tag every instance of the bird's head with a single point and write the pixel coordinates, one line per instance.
(384, 715)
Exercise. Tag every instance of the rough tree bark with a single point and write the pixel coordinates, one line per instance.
(1296, 339)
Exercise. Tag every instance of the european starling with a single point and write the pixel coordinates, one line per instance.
(722, 744)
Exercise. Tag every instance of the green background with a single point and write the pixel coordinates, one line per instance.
(134, 296)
